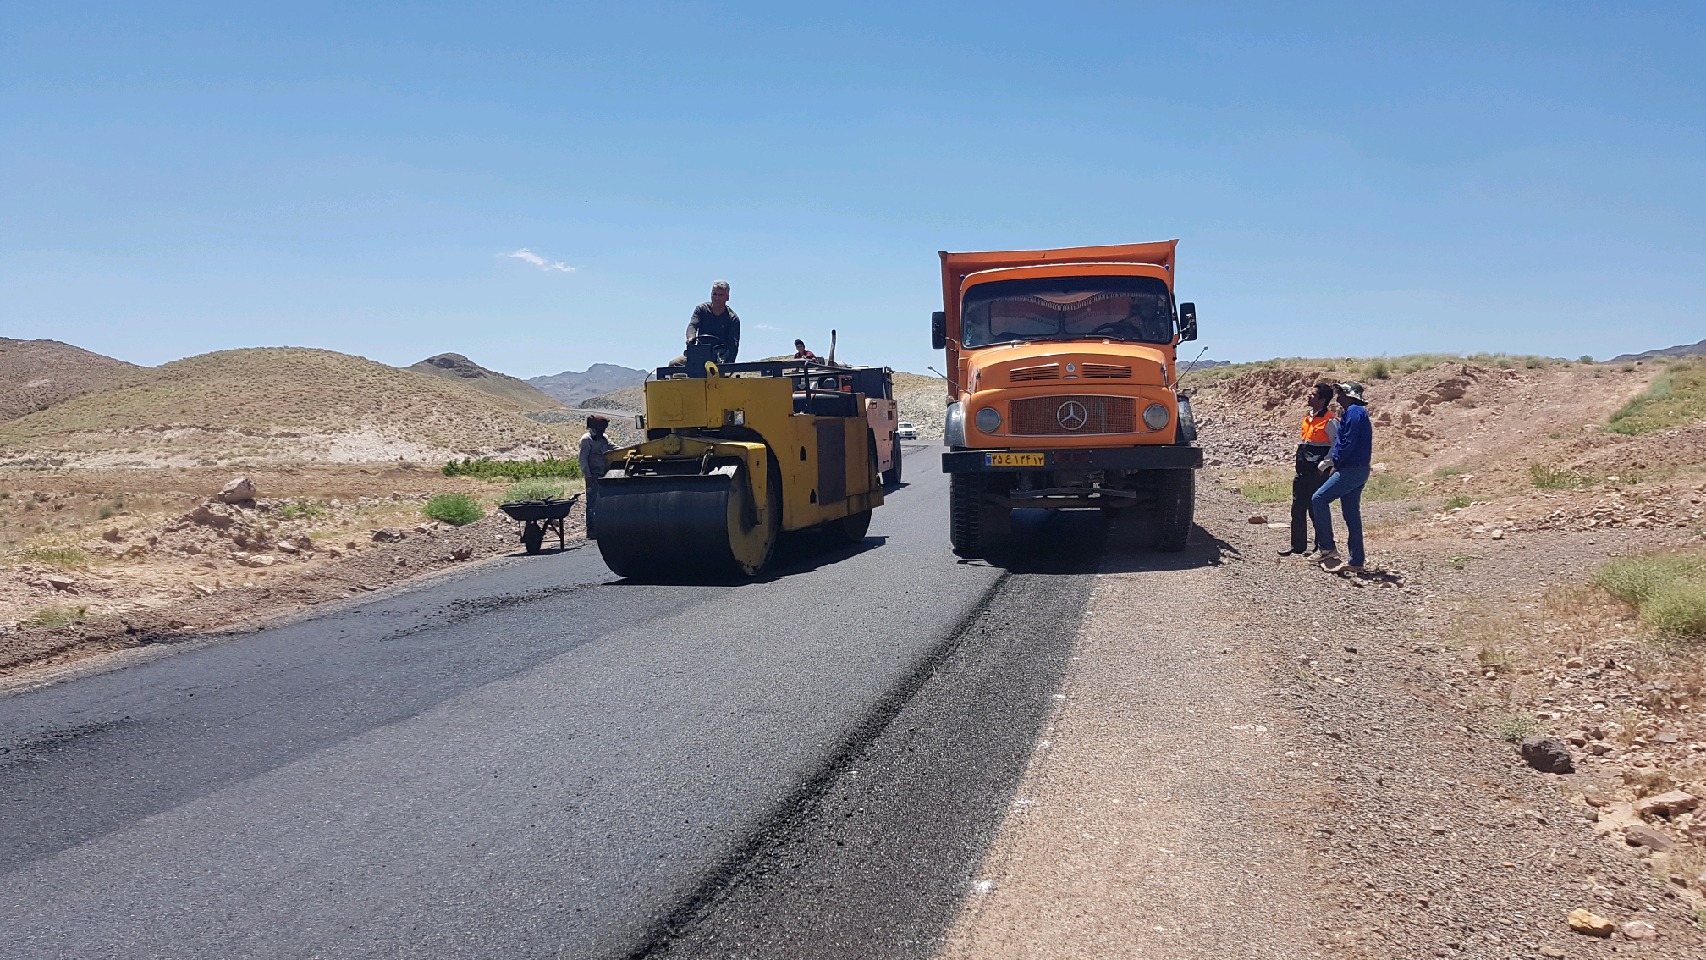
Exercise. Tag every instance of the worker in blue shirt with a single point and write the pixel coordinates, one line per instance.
(1347, 466)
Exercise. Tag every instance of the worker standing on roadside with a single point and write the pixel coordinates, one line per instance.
(594, 452)
(1320, 430)
(714, 319)
(1347, 466)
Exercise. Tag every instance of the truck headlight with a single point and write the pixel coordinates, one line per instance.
(1156, 416)
(988, 419)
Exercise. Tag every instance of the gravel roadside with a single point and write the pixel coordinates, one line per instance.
(1254, 758)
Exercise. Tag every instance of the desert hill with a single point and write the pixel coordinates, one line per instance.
(271, 405)
(1680, 350)
(571, 388)
(454, 366)
(36, 374)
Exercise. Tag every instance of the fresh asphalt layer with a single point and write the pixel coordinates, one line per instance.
(538, 759)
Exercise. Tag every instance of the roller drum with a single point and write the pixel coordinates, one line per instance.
(684, 528)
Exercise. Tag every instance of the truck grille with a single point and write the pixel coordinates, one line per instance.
(1047, 371)
(1106, 371)
(1052, 416)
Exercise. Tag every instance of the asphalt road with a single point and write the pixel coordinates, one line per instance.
(538, 760)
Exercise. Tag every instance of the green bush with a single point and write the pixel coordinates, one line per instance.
(512, 469)
(1584, 358)
(1549, 478)
(302, 510)
(50, 617)
(65, 558)
(1675, 397)
(1454, 503)
(1387, 487)
(1378, 369)
(537, 488)
(1515, 727)
(1667, 590)
(455, 509)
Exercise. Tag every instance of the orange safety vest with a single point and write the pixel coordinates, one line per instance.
(1315, 429)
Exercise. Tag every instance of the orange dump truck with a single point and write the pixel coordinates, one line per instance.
(1062, 388)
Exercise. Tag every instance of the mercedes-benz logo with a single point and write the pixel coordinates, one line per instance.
(1072, 415)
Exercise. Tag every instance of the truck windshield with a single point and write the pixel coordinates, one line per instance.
(1068, 308)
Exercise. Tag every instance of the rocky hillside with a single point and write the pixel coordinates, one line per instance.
(1680, 350)
(36, 374)
(454, 366)
(271, 405)
(572, 388)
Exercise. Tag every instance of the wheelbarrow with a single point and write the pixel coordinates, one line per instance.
(540, 517)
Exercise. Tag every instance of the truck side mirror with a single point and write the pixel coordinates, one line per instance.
(938, 330)
(1187, 321)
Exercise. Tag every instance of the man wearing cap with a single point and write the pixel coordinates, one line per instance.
(714, 319)
(594, 453)
(1347, 466)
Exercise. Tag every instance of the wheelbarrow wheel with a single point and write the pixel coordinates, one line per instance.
(533, 537)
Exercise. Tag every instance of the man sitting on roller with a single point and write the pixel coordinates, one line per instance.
(719, 325)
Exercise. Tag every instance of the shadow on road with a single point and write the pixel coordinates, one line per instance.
(1067, 542)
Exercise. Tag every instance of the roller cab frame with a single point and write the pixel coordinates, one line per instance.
(1063, 388)
(733, 458)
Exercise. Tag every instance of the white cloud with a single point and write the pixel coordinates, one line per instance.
(549, 266)
(766, 326)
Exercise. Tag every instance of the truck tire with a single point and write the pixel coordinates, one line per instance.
(965, 514)
(1176, 495)
(1187, 432)
(891, 477)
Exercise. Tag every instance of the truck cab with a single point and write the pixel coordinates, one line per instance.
(1063, 388)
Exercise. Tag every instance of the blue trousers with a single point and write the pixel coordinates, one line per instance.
(1345, 486)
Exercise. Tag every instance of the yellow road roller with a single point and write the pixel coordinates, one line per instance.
(735, 456)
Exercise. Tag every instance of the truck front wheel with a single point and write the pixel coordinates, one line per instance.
(1176, 496)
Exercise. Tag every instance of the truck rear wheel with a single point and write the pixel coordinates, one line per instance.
(891, 477)
(1176, 496)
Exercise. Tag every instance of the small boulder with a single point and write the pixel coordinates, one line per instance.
(208, 515)
(1548, 754)
(1667, 804)
(288, 547)
(63, 584)
(388, 535)
(240, 490)
(1590, 923)
(462, 553)
(1641, 835)
(1638, 930)
(1258, 518)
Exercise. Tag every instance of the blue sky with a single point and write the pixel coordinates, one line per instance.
(1345, 179)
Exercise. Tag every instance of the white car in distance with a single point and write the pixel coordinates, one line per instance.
(905, 431)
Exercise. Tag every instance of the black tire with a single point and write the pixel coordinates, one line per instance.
(854, 527)
(891, 477)
(1176, 494)
(965, 514)
(532, 538)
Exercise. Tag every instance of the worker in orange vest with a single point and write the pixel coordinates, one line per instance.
(1320, 429)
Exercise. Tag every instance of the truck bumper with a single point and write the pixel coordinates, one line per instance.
(1157, 457)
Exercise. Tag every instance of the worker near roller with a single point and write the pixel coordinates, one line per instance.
(594, 455)
(1320, 431)
(1347, 467)
(801, 353)
(714, 319)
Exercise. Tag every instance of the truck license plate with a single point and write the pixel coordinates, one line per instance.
(1015, 459)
